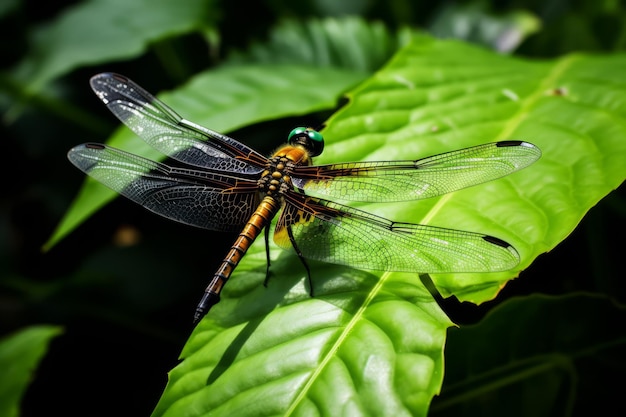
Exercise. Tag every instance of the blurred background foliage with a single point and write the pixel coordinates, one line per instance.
(120, 321)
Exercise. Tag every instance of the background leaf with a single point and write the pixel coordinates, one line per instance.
(122, 30)
(555, 340)
(350, 43)
(19, 355)
(473, 22)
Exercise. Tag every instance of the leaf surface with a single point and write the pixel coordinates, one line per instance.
(370, 343)
(124, 29)
(19, 355)
(439, 96)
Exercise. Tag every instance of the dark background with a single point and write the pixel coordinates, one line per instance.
(125, 306)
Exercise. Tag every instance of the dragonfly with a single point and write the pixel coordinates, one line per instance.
(225, 185)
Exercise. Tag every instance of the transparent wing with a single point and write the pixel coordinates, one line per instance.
(195, 197)
(334, 233)
(166, 131)
(411, 180)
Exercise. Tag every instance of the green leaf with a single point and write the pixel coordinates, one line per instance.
(350, 43)
(319, 59)
(7, 7)
(538, 347)
(19, 355)
(361, 346)
(438, 96)
(225, 99)
(371, 343)
(122, 29)
(475, 23)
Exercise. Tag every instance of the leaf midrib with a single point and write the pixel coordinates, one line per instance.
(338, 343)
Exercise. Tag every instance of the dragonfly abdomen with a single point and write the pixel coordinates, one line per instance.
(274, 182)
(261, 217)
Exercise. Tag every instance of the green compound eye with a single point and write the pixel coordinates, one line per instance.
(316, 136)
(310, 138)
(296, 132)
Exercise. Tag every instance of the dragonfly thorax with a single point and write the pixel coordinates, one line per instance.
(276, 179)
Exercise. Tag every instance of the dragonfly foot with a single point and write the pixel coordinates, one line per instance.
(267, 278)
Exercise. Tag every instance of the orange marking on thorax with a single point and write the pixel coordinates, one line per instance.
(296, 154)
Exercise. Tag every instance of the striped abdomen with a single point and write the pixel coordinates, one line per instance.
(260, 218)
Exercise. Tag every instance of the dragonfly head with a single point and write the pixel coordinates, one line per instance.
(309, 138)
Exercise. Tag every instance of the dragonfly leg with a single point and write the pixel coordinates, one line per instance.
(301, 257)
(267, 254)
(427, 281)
